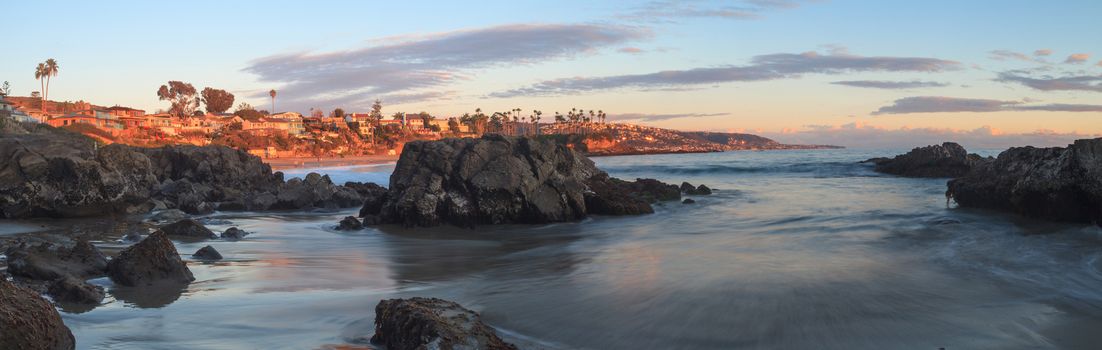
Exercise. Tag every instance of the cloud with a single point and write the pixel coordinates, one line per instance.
(1077, 58)
(1042, 52)
(877, 84)
(631, 50)
(1003, 55)
(1048, 83)
(642, 117)
(404, 69)
(764, 67)
(861, 135)
(668, 11)
(940, 104)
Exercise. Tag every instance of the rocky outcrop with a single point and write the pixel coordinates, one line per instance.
(48, 172)
(946, 160)
(152, 261)
(1058, 183)
(234, 234)
(207, 253)
(350, 223)
(27, 321)
(47, 261)
(74, 290)
(701, 190)
(188, 229)
(430, 323)
(500, 180)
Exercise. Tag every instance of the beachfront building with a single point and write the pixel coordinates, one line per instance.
(111, 125)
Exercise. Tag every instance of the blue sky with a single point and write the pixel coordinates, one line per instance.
(955, 68)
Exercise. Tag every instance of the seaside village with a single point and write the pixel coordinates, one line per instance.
(268, 135)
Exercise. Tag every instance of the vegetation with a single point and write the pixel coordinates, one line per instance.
(246, 112)
(182, 97)
(5, 89)
(217, 101)
(272, 93)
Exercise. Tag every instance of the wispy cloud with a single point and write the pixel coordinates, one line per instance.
(669, 11)
(643, 117)
(860, 135)
(1004, 55)
(631, 50)
(1049, 83)
(879, 84)
(941, 104)
(403, 70)
(764, 67)
(1043, 52)
(1077, 58)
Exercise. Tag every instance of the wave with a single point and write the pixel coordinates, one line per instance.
(834, 168)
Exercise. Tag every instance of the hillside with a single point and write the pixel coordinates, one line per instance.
(622, 139)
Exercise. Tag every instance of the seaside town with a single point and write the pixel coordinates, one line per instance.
(204, 117)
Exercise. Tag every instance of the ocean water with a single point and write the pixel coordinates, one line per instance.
(796, 250)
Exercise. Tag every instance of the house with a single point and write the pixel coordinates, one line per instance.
(112, 125)
(120, 111)
(362, 123)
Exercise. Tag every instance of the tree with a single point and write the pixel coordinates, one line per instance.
(51, 71)
(272, 93)
(36, 94)
(245, 111)
(453, 125)
(377, 111)
(5, 89)
(426, 119)
(40, 75)
(338, 113)
(182, 97)
(217, 101)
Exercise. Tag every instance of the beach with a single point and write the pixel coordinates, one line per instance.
(325, 162)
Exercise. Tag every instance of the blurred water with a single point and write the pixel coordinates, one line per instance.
(797, 250)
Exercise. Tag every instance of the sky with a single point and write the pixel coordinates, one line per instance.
(852, 73)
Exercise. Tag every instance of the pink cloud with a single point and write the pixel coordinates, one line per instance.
(1042, 52)
(1077, 58)
(862, 135)
(631, 50)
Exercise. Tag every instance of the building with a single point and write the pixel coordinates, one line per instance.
(120, 111)
(111, 125)
(362, 123)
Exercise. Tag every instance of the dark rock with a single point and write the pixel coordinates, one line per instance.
(946, 160)
(74, 290)
(132, 237)
(151, 261)
(188, 228)
(350, 223)
(47, 261)
(688, 201)
(366, 189)
(687, 188)
(207, 253)
(234, 234)
(611, 196)
(234, 205)
(374, 197)
(703, 190)
(424, 323)
(28, 321)
(1058, 183)
(169, 215)
(372, 220)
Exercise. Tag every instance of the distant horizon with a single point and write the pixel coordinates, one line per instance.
(859, 74)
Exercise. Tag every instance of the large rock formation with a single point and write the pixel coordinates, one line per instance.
(46, 261)
(49, 172)
(946, 160)
(152, 261)
(27, 321)
(1058, 183)
(498, 180)
(430, 323)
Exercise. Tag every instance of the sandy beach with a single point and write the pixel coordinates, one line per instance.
(312, 162)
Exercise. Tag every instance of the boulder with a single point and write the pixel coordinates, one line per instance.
(946, 160)
(611, 196)
(1057, 183)
(46, 261)
(350, 223)
(703, 190)
(152, 261)
(234, 234)
(76, 291)
(430, 323)
(28, 321)
(688, 201)
(315, 191)
(188, 229)
(207, 253)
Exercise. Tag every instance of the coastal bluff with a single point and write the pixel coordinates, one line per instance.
(51, 172)
(504, 180)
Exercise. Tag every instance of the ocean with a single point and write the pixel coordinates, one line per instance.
(796, 250)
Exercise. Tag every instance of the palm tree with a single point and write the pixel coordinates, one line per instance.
(40, 75)
(273, 95)
(51, 71)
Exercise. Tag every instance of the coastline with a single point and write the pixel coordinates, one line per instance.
(284, 163)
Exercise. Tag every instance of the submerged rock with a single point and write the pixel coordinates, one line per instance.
(688, 201)
(430, 323)
(151, 261)
(48, 261)
(234, 234)
(28, 321)
(350, 223)
(188, 228)
(207, 253)
(74, 290)
(689, 189)
(946, 160)
(1057, 183)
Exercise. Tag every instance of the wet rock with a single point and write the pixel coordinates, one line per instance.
(188, 229)
(234, 234)
(74, 290)
(28, 321)
(152, 261)
(372, 220)
(946, 160)
(46, 261)
(207, 253)
(350, 223)
(610, 196)
(1057, 183)
(169, 215)
(687, 188)
(688, 201)
(703, 190)
(315, 191)
(653, 190)
(430, 323)
(132, 237)
(374, 196)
